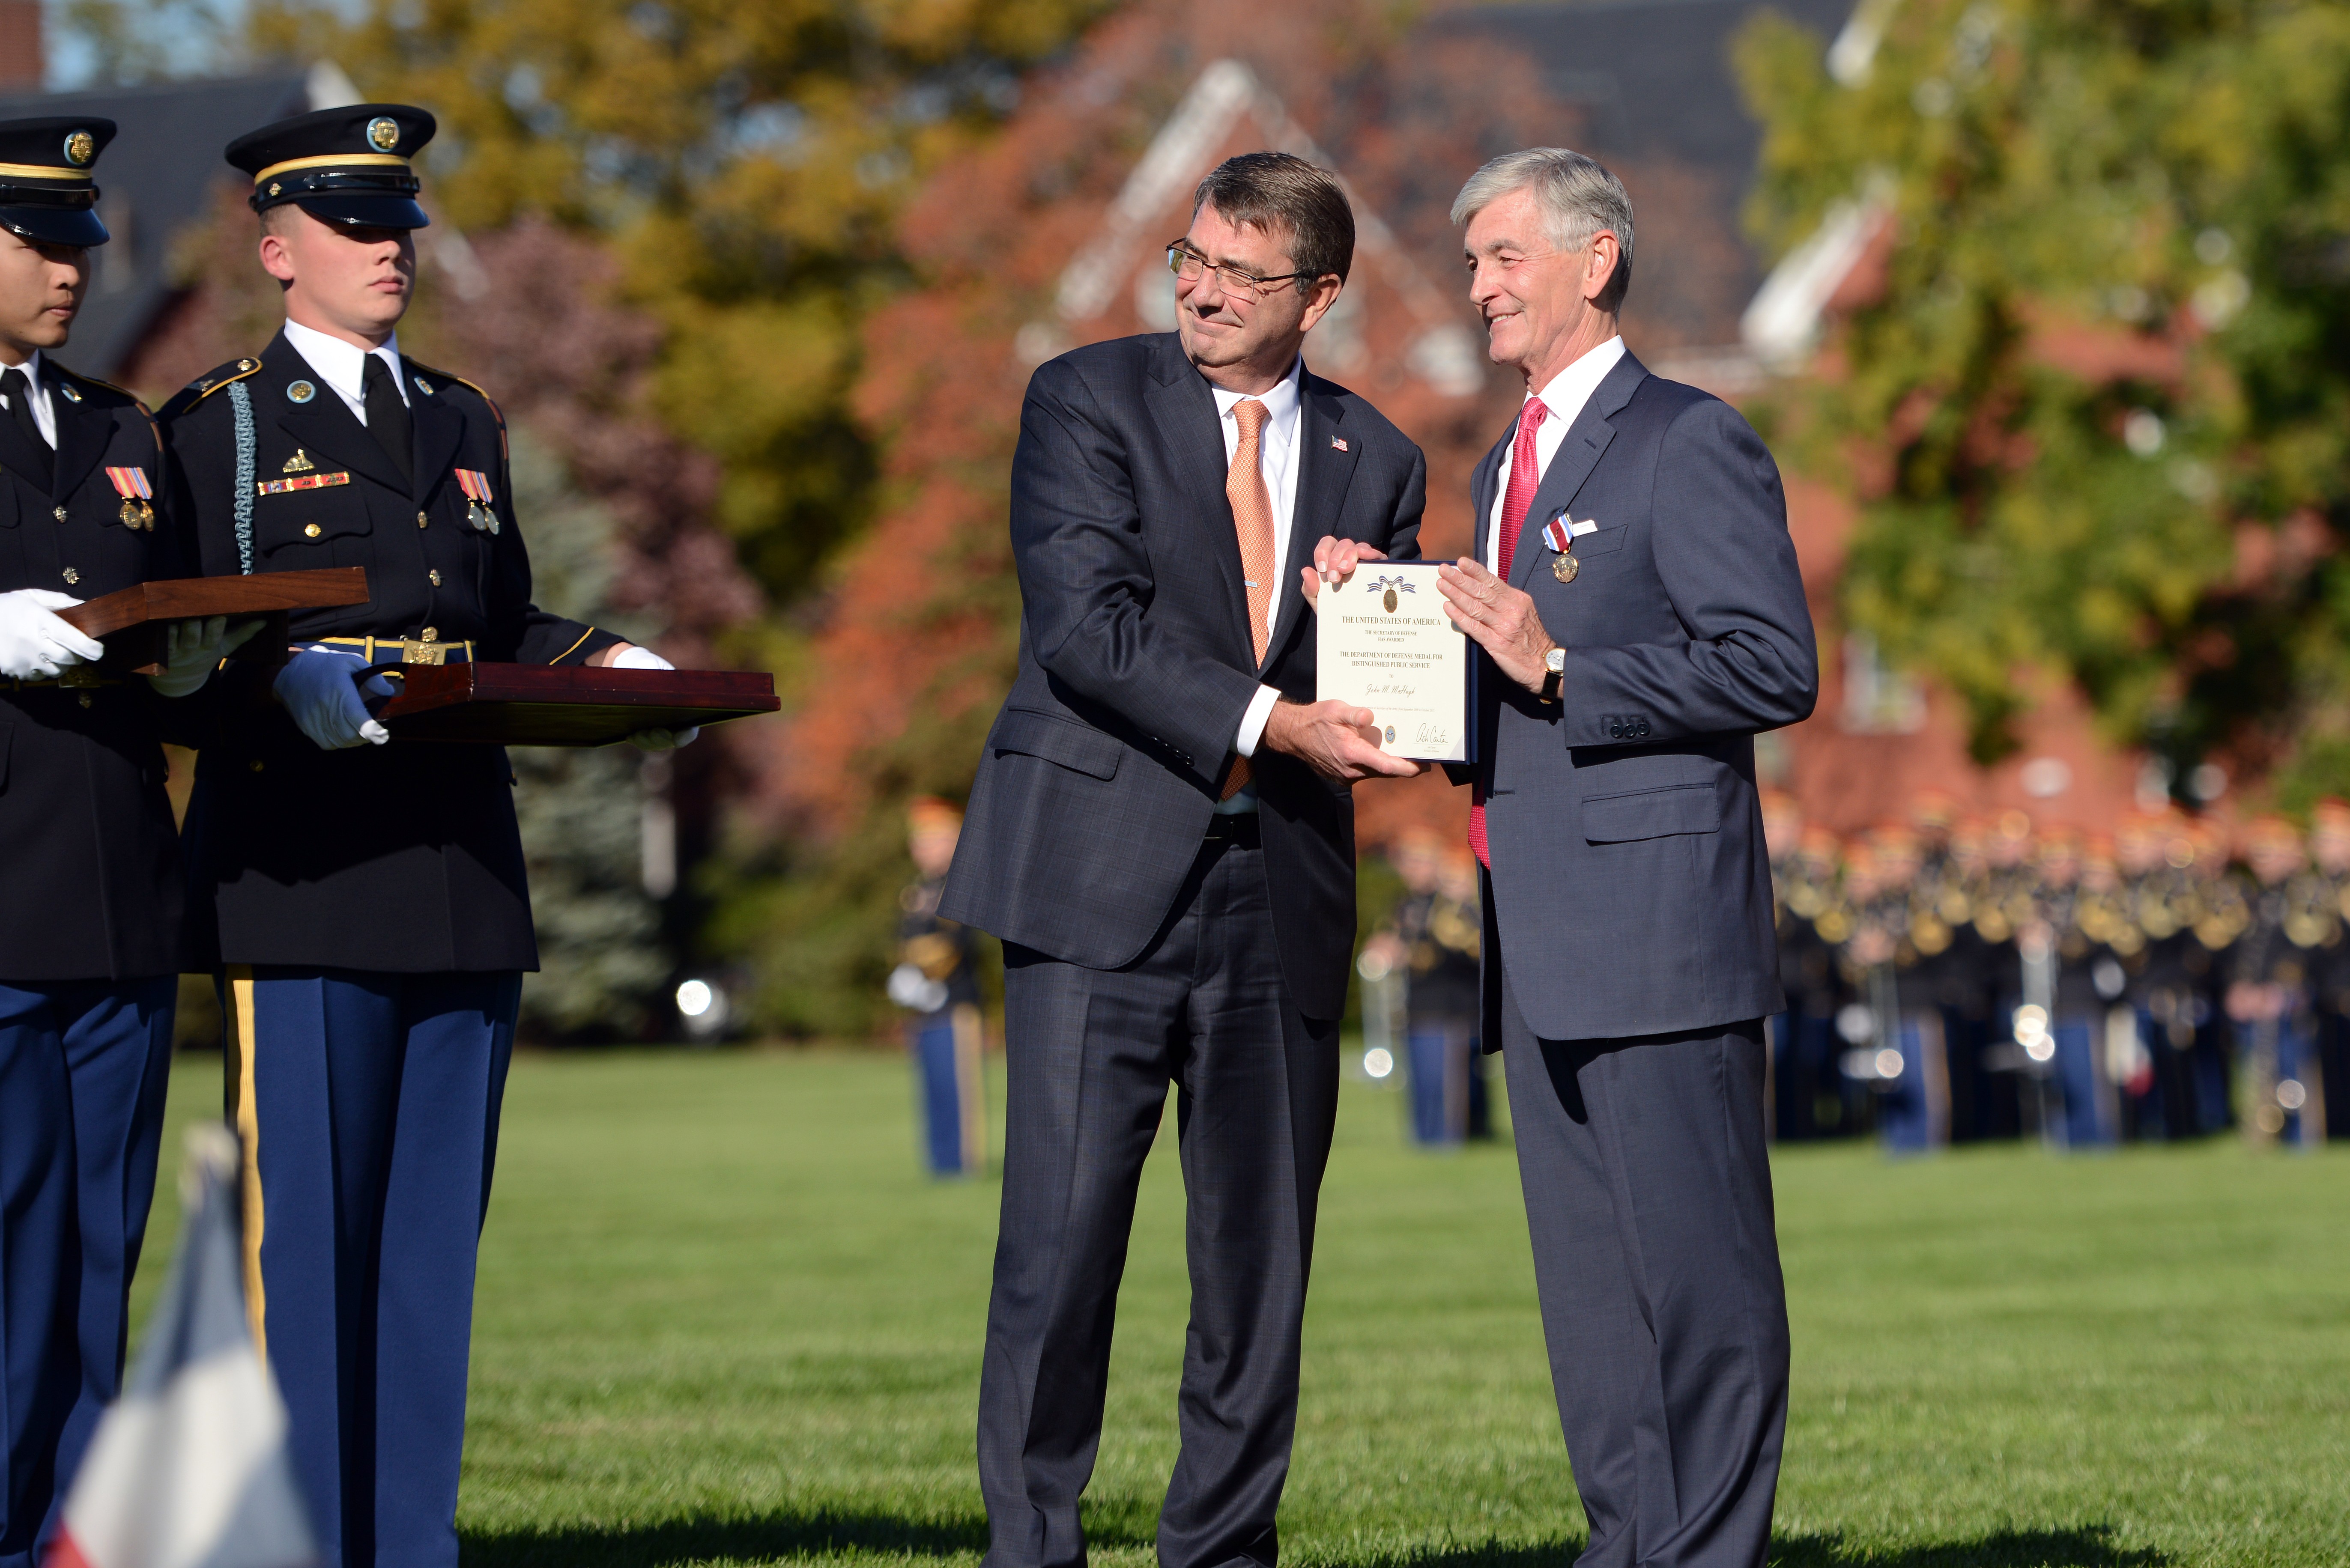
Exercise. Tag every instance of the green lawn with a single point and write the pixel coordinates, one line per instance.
(723, 1319)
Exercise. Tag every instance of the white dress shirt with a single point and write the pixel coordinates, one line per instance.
(1277, 461)
(343, 366)
(1563, 399)
(45, 418)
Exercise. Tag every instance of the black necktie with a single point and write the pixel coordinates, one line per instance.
(19, 392)
(388, 416)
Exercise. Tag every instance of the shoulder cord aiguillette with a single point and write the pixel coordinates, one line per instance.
(241, 404)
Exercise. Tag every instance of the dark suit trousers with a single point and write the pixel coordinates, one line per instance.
(1090, 1054)
(1649, 1194)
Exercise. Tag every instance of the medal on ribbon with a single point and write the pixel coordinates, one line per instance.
(1560, 537)
(476, 486)
(138, 512)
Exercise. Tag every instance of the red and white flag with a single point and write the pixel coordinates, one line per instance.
(189, 1468)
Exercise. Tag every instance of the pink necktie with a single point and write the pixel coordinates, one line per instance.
(1525, 478)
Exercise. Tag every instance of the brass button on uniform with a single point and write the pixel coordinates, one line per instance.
(433, 578)
(60, 514)
(429, 634)
(422, 520)
(255, 764)
(72, 576)
(311, 531)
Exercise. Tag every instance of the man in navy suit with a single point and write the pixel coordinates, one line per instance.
(1640, 616)
(1161, 832)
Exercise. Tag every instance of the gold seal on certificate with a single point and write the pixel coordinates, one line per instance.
(1383, 641)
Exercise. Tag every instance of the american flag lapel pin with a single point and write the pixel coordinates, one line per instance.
(1338, 443)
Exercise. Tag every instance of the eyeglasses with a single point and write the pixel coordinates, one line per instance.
(1188, 265)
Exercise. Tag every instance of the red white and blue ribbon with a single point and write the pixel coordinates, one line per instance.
(1556, 536)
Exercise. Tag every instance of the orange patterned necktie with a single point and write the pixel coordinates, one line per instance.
(1253, 518)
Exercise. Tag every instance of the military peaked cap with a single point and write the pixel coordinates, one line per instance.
(348, 165)
(47, 193)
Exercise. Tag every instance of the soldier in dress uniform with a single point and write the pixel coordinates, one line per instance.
(937, 982)
(1982, 1099)
(1813, 922)
(366, 902)
(2269, 985)
(90, 938)
(1432, 941)
(1914, 1102)
(2329, 848)
(2077, 1014)
(1443, 933)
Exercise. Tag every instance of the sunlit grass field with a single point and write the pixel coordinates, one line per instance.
(723, 1319)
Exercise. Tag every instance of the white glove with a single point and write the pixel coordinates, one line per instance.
(34, 643)
(319, 689)
(636, 658)
(911, 988)
(193, 649)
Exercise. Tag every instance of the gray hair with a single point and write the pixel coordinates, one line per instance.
(1576, 195)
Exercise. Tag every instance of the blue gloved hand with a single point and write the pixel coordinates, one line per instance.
(319, 689)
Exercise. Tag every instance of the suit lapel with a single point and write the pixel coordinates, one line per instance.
(1578, 454)
(1484, 485)
(17, 453)
(84, 432)
(1184, 411)
(1324, 472)
(439, 431)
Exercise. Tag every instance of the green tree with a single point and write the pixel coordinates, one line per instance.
(2096, 414)
(602, 959)
(745, 161)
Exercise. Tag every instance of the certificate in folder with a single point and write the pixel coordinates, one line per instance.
(1383, 641)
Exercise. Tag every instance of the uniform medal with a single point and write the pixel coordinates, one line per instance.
(476, 486)
(1556, 533)
(138, 512)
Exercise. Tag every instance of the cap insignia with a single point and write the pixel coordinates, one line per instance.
(275, 187)
(301, 392)
(81, 148)
(383, 133)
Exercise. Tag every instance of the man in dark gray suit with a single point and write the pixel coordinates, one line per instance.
(1162, 833)
(1640, 616)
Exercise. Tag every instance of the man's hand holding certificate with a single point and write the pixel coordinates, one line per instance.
(1384, 643)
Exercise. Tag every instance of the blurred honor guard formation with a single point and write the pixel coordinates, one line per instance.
(936, 983)
(1953, 978)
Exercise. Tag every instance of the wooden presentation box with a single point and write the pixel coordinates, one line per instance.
(570, 705)
(130, 623)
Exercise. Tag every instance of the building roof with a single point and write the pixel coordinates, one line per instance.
(157, 178)
(1659, 103)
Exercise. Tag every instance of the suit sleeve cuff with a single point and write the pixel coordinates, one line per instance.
(1251, 730)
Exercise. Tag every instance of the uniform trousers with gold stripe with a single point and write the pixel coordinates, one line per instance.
(950, 1090)
(368, 1104)
(83, 1065)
